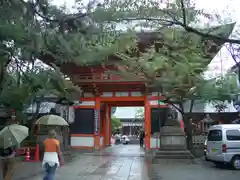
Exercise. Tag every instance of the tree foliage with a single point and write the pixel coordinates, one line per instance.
(22, 90)
(90, 35)
(220, 89)
(174, 67)
(116, 124)
(139, 114)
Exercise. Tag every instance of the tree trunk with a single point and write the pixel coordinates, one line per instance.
(187, 125)
(34, 119)
(191, 106)
(188, 132)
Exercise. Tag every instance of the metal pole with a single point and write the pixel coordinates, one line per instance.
(159, 123)
(130, 128)
(131, 124)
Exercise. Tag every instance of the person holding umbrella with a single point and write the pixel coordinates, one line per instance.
(7, 157)
(52, 156)
(10, 138)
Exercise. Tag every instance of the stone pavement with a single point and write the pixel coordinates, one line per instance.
(103, 168)
(130, 165)
(27, 170)
(120, 151)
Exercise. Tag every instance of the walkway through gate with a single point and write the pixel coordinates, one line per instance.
(120, 151)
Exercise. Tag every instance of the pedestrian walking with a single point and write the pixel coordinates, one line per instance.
(141, 137)
(52, 156)
(7, 162)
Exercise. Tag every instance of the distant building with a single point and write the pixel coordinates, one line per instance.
(131, 126)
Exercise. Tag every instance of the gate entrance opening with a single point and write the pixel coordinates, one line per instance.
(130, 126)
(131, 119)
(92, 125)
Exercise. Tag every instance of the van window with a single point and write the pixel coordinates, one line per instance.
(233, 135)
(215, 135)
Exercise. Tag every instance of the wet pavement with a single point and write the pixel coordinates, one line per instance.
(120, 151)
(127, 163)
(22, 171)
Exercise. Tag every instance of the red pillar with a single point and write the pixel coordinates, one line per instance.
(107, 134)
(97, 123)
(147, 123)
(110, 123)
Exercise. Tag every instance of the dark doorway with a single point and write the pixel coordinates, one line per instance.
(84, 122)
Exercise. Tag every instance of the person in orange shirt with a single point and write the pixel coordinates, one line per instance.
(52, 155)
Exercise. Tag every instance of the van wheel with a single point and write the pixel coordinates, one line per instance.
(235, 163)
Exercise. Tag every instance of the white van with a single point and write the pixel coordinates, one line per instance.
(223, 145)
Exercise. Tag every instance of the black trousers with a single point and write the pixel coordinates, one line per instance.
(141, 142)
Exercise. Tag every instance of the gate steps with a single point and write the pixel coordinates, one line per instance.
(172, 154)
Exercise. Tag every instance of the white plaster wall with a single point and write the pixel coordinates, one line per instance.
(136, 94)
(107, 94)
(87, 103)
(121, 94)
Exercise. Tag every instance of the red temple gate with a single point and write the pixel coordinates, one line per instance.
(102, 91)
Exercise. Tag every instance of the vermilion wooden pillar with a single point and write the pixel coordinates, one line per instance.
(147, 123)
(107, 127)
(103, 125)
(97, 123)
(110, 123)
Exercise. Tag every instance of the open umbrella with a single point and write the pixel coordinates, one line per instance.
(52, 120)
(12, 135)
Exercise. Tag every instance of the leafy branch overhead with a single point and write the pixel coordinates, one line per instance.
(51, 34)
(19, 95)
(174, 64)
(37, 30)
(220, 89)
